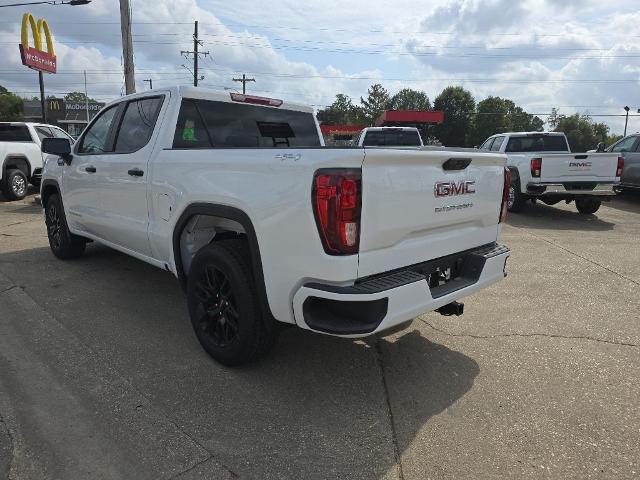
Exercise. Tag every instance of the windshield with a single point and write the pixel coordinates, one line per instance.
(538, 143)
(392, 138)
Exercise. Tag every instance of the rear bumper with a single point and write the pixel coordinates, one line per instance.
(573, 188)
(385, 301)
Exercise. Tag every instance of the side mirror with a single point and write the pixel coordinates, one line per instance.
(477, 147)
(57, 146)
(600, 148)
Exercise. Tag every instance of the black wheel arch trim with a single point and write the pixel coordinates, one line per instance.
(45, 184)
(20, 158)
(230, 213)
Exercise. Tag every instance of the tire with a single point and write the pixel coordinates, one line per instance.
(64, 244)
(588, 206)
(15, 185)
(516, 200)
(224, 306)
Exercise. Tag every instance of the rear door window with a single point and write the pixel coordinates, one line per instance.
(137, 124)
(237, 125)
(14, 133)
(538, 143)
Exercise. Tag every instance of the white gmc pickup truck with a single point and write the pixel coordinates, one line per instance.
(542, 167)
(237, 197)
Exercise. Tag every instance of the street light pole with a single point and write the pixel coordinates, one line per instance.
(626, 121)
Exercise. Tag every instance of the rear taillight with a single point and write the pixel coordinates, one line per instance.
(505, 194)
(337, 198)
(536, 167)
(620, 167)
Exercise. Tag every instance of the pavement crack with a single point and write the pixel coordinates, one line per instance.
(531, 335)
(8, 288)
(197, 464)
(550, 242)
(392, 423)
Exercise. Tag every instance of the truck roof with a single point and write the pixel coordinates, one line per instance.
(29, 124)
(529, 133)
(379, 129)
(203, 93)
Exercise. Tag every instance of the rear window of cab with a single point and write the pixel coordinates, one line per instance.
(212, 124)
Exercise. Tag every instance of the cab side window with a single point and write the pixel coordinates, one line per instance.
(43, 132)
(497, 143)
(624, 145)
(487, 144)
(137, 124)
(98, 139)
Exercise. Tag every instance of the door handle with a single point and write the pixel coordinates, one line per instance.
(136, 172)
(90, 169)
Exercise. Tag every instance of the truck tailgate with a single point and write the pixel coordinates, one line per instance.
(413, 210)
(578, 167)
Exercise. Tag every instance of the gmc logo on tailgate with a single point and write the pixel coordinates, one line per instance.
(450, 189)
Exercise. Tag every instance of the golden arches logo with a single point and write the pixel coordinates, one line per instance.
(34, 57)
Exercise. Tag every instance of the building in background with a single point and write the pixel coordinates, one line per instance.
(70, 116)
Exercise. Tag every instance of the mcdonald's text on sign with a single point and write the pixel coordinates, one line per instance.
(35, 57)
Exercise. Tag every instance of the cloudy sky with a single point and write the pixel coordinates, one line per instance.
(577, 55)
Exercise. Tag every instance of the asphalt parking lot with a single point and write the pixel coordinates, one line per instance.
(102, 377)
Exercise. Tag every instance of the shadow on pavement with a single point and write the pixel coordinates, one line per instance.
(541, 216)
(316, 407)
(31, 191)
(627, 201)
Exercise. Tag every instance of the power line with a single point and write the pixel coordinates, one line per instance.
(244, 81)
(195, 53)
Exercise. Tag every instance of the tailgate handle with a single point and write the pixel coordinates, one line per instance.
(581, 157)
(456, 164)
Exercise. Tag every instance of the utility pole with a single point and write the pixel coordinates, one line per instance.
(127, 47)
(150, 83)
(244, 81)
(195, 53)
(626, 121)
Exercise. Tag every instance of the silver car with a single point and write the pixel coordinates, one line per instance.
(628, 148)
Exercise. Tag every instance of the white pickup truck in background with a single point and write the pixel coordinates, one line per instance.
(21, 156)
(390, 137)
(236, 196)
(543, 167)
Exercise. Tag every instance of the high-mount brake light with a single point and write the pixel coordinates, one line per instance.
(505, 195)
(241, 97)
(536, 167)
(620, 166)
(337, 198)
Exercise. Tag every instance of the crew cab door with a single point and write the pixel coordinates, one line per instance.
(121, 177)
(80, 196)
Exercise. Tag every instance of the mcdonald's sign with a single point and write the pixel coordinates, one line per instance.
(34, 57)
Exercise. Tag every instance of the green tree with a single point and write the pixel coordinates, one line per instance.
(521, 121)
(458, 106)
(341, 112)
(582, 133)
(492, 116)
(409, 99)
(375, 104)
(10, 106)
(77, 97)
